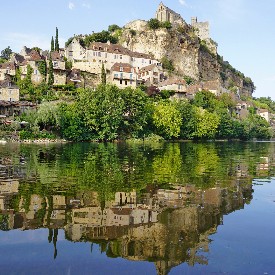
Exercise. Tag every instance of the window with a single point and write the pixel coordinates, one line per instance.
(99, 54)
(120, 81)
(116, 75)
(120, 56)
(126, 82)
(106, 55)
(121, 75)
(70, 53)
(121, 69)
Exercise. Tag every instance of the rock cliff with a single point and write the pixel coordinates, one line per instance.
(190, 55)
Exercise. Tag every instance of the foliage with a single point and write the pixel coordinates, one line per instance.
(42, 68)
(167, 64)
(68, 64)
(50, 73)
(167, 119)
(188, 79)
(206, 100)
(113, 28)
(154, 23)
(56, 42)
(205, 124)
(37, 49)
(52, 44)
(103, 75)
(103, 36)
(166, 94)
(6, 53)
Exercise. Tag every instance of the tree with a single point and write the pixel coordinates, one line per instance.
(113, 28)
(36, 49)
(167, 119)
(206, 100)
(205, 124)
(56, 45)
(6, 53)
(103, 111)
(154, 23)
(52, 45)
(136, 113)
(50, 73)
(42, 68)
(103, 75)
(167, 64)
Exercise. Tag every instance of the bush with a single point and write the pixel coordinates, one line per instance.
(154, 23)
(113, 28)
(167, 64)
(133, 32)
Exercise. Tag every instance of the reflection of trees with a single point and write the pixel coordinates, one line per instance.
(191, 185)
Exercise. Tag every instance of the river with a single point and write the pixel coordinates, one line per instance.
(118, 208)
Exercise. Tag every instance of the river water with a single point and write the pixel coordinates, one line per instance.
(163, 208)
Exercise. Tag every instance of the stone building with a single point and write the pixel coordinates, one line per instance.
(8, 91)
(202, 28)
(164, 14)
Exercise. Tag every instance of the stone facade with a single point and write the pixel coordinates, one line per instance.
(8, 91)
(164, 14)
(201, 28)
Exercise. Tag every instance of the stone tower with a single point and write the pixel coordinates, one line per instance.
(202, 28)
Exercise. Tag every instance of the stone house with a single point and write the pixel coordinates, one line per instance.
(150, 75)
(74, 77)
(264, 113)
(174, 84)
(123, 75)
(91, 59)
(59, 70)
(7, 69)
(75, 51)
(33, 58)
(8, 91)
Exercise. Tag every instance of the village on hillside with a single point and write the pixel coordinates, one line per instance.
(78, 65)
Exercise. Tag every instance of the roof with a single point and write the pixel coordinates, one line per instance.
(127, 68)
(8, 65)
(147, 68)
(34, 56)
(56, 56)
(7, 84)
(171, 81)
(116, 48)
(17, 58)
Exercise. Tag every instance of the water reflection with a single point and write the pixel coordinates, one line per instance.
(142, 203)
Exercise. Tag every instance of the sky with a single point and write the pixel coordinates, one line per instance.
(243, 29)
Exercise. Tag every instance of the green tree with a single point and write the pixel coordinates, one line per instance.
(113, 28)
(136, 113)
(102, 111)
(52, 45)
(6, 53)
(50, 73)
(205, 124)
(167, 119)
(206, 100)
(154, 23)
(167, 64)
(56, 42)
(103, 75)
(42, 68)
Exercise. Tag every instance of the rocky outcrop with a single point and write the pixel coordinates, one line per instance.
(190, 55)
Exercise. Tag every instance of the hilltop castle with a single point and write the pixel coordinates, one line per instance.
(164, 14)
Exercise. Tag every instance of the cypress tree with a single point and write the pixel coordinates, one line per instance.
(51, 76)
(103, 75)
(56, 47)
(52, 45)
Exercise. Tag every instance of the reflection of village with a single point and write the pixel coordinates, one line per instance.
(165, 226)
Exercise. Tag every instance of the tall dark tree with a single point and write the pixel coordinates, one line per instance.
(52, 45)
(56, 45)
(103, 75)
(6, 53)
(50, 71)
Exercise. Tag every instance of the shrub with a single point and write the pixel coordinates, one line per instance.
(154, 23)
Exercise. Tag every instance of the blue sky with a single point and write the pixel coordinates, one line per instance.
(244, 29)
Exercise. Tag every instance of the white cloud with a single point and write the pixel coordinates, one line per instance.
(182, 2)
(86, 5)
(71, 5)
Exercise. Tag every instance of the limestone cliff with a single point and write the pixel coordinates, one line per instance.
(190, 55)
